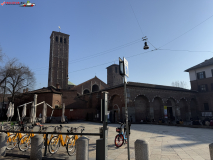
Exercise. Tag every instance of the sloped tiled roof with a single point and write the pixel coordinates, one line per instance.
(146, 85)
(50, 89)
(207, 62)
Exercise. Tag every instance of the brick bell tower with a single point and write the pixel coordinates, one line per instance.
(58, 60)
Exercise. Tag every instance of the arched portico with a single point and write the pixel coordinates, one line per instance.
(142, 109)
(157, 108)
(172, 111)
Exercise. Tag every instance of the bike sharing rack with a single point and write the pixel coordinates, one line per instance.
(101, 144)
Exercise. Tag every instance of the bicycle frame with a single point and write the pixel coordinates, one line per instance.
(60, 138)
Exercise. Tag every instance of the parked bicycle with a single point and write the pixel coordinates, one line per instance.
(122, 136)
(55, 141)
(71, 147)
(13, 139)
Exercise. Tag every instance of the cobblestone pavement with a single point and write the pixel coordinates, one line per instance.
(165, 142)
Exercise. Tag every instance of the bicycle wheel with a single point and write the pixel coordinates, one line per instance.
(119, 140)
(54, 144)
(71, 147)
(24, 143)
(12, 141)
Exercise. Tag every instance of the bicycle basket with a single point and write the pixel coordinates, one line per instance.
(118, 130)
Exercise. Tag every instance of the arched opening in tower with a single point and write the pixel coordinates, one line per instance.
(95, 88)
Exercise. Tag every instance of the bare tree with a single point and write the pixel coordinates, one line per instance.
(180, 84)
(20, 77)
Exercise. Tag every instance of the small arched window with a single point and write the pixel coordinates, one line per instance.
(61, 39)
(56, 38)
(86, 91)
(65, 40)
(95, 88)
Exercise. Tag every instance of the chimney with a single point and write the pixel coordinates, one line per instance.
(23, 90)
(57, 86)
(26, 89)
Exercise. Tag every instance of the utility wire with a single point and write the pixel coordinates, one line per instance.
(139, 24)
(106, 62)
(186, 31)
(97, 54)
(176, 50)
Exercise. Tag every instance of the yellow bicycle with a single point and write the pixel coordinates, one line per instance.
(57, 140)
(13, 139)
(71, 147)
(25, 141)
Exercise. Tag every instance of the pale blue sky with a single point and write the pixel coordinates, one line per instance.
(109, 28)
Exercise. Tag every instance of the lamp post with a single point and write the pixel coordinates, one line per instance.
(123, 68)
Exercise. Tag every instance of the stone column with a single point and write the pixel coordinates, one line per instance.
(141, 150)
(36, 147)
(82, 148)
(3, 144)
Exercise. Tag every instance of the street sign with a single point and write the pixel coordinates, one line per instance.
(126, 69)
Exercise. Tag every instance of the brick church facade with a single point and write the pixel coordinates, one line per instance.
(144, 101)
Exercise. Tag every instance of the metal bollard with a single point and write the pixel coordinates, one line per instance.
(82, 148)
(141, 150)
(211, 150)
(100, 149)
(3, 144)
(36, 147)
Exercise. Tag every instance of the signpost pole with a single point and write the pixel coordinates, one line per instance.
(126, 113)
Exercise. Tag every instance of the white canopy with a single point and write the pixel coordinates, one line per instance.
(63, 111)
(32, 113)
(24, 111)
(12, 111)
(9, 110)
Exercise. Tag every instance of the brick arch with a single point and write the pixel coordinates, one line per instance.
(142, 108)
(114, 99)
(142, 95)
(181, 99)
(184, 110)
(174, 99)
(85, 91)
(157, 96)
(157, 105)
(172, 110)
(115, 108)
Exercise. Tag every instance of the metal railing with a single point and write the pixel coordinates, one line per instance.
(67, 133)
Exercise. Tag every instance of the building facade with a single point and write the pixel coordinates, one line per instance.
(201, 79)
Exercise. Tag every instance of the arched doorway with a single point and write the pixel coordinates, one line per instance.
(184, 111)
(157, 108)
(116, 115)
(114, 108)
(171, 109)
(141, 108)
